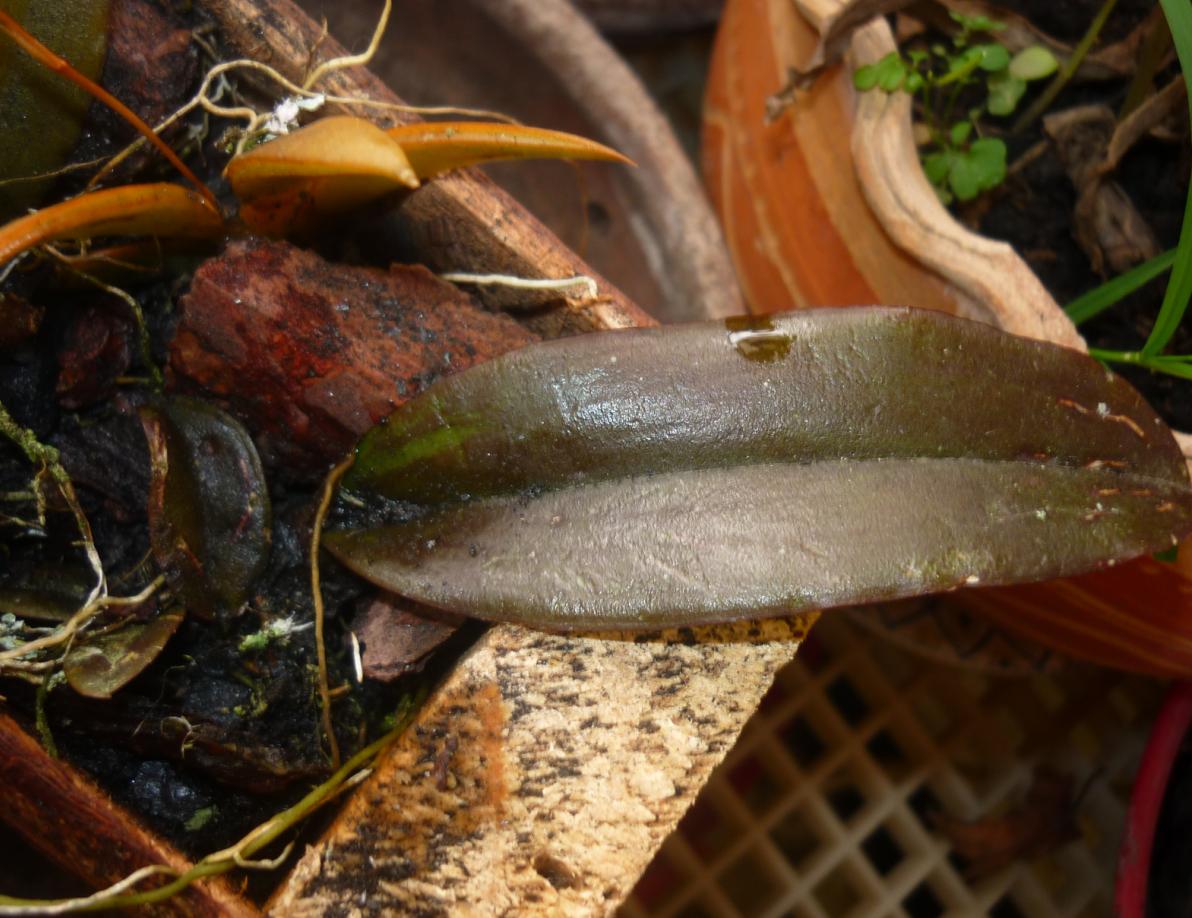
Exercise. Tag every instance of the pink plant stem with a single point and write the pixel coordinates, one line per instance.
(1146, 800)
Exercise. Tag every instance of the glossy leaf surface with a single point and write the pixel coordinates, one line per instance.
(100, 666)
(209, 511)
(715, 471)
(435, 147)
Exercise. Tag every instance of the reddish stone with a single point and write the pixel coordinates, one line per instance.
(19, 320)
(310, 354)
(152, 61)
(97, 351)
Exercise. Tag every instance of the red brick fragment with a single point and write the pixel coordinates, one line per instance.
(310, 354)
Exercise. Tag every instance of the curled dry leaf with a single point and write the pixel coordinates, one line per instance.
(1108, 226)
(713, 471)
(1042, 822)
(100, 666)
(209, 512)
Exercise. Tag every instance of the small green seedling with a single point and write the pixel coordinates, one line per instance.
(959, 162)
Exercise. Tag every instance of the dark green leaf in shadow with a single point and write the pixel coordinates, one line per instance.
(209, 513)
(41, 114)
(47, 593)
(708, 472)
(99, 666)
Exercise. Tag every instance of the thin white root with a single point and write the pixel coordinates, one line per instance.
(524, 283)
(84, 903)
(354, 60)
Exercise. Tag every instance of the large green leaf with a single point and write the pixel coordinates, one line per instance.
(715, 471)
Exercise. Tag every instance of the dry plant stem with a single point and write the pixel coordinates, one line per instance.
(1150, 60)
(117, 895)
(70, 628)
(44, 55)
(1031, 154)
(316, 591)
(47, 457)
(1071, 65)
(54, 173)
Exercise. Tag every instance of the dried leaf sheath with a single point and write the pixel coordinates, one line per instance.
(703, 473)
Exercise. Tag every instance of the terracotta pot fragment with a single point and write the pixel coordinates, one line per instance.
(828, 205)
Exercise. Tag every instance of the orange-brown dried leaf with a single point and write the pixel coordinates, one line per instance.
(158, 209)
(292, 185)
(1041, 823)
(101, 666)
(433, 148)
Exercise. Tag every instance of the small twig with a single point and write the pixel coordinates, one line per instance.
(354, 60)
(54, 173)
(1028, 156)
(329, 484)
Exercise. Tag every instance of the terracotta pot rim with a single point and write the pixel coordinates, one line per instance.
(995, 284)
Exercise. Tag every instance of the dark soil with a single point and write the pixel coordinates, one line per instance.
(1169, 887)
(213, 738)
(1033, 209)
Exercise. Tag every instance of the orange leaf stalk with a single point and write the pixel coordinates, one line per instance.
(434, 147)
(160, 209)
(44, 55)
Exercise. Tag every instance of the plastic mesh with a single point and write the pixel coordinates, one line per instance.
(825, 806)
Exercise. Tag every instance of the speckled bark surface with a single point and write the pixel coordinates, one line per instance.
(543, 775)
